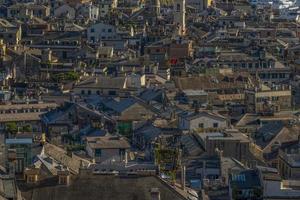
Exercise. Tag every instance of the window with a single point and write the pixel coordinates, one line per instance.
(111, 92)
(201, 125)
(97, 152)
(264, 65)
(64, 54)
(275, 98)
(215, 125)
(178, 7)
(121, 152)
(89, 92)
(63, 180)
(31, 179)
(274, 75)
(82, 92)
(92, 30)
(281, 75)
(109, 30)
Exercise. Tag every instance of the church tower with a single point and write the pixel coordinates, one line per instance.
(153, 8)
(179, 16)
(157, 8)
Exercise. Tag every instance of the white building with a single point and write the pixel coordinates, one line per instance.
(101, 31)
(132, 81)
(89, 11)
(106, 6)
(199, 5)
(201, 120)
(107, 148)
(65, 11)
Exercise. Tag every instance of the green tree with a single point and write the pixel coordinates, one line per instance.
(12, 127)
(27, 128)
(72, 76)
(69, 76)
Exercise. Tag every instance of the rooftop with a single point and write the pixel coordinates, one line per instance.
(106, 188)
(8, 188)
(108, 142)
(245, 179)
(19, 141)
(27, 106)
(72, 161)
(194, 115)
(102, 82)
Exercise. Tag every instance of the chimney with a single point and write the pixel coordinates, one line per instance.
(155, 194)
(84, 169)
(221, 154)
(69, 153)
(183, 177)
(126, 157)
(196, 107)
(46, 55)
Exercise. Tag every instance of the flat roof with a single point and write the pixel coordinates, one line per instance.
(15, 117)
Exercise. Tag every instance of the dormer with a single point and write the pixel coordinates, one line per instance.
(63, 177)
(32, 175)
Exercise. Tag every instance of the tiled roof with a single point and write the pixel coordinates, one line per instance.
(218, 81)
(107, 188)
(194, 115)
(60, 155)
(119, 106)
(150, 94)
(102, 82)
(15, 117)
(28, 106)
(108, 142)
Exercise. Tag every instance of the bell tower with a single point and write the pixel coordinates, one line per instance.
(179, 16)
(157, 8)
